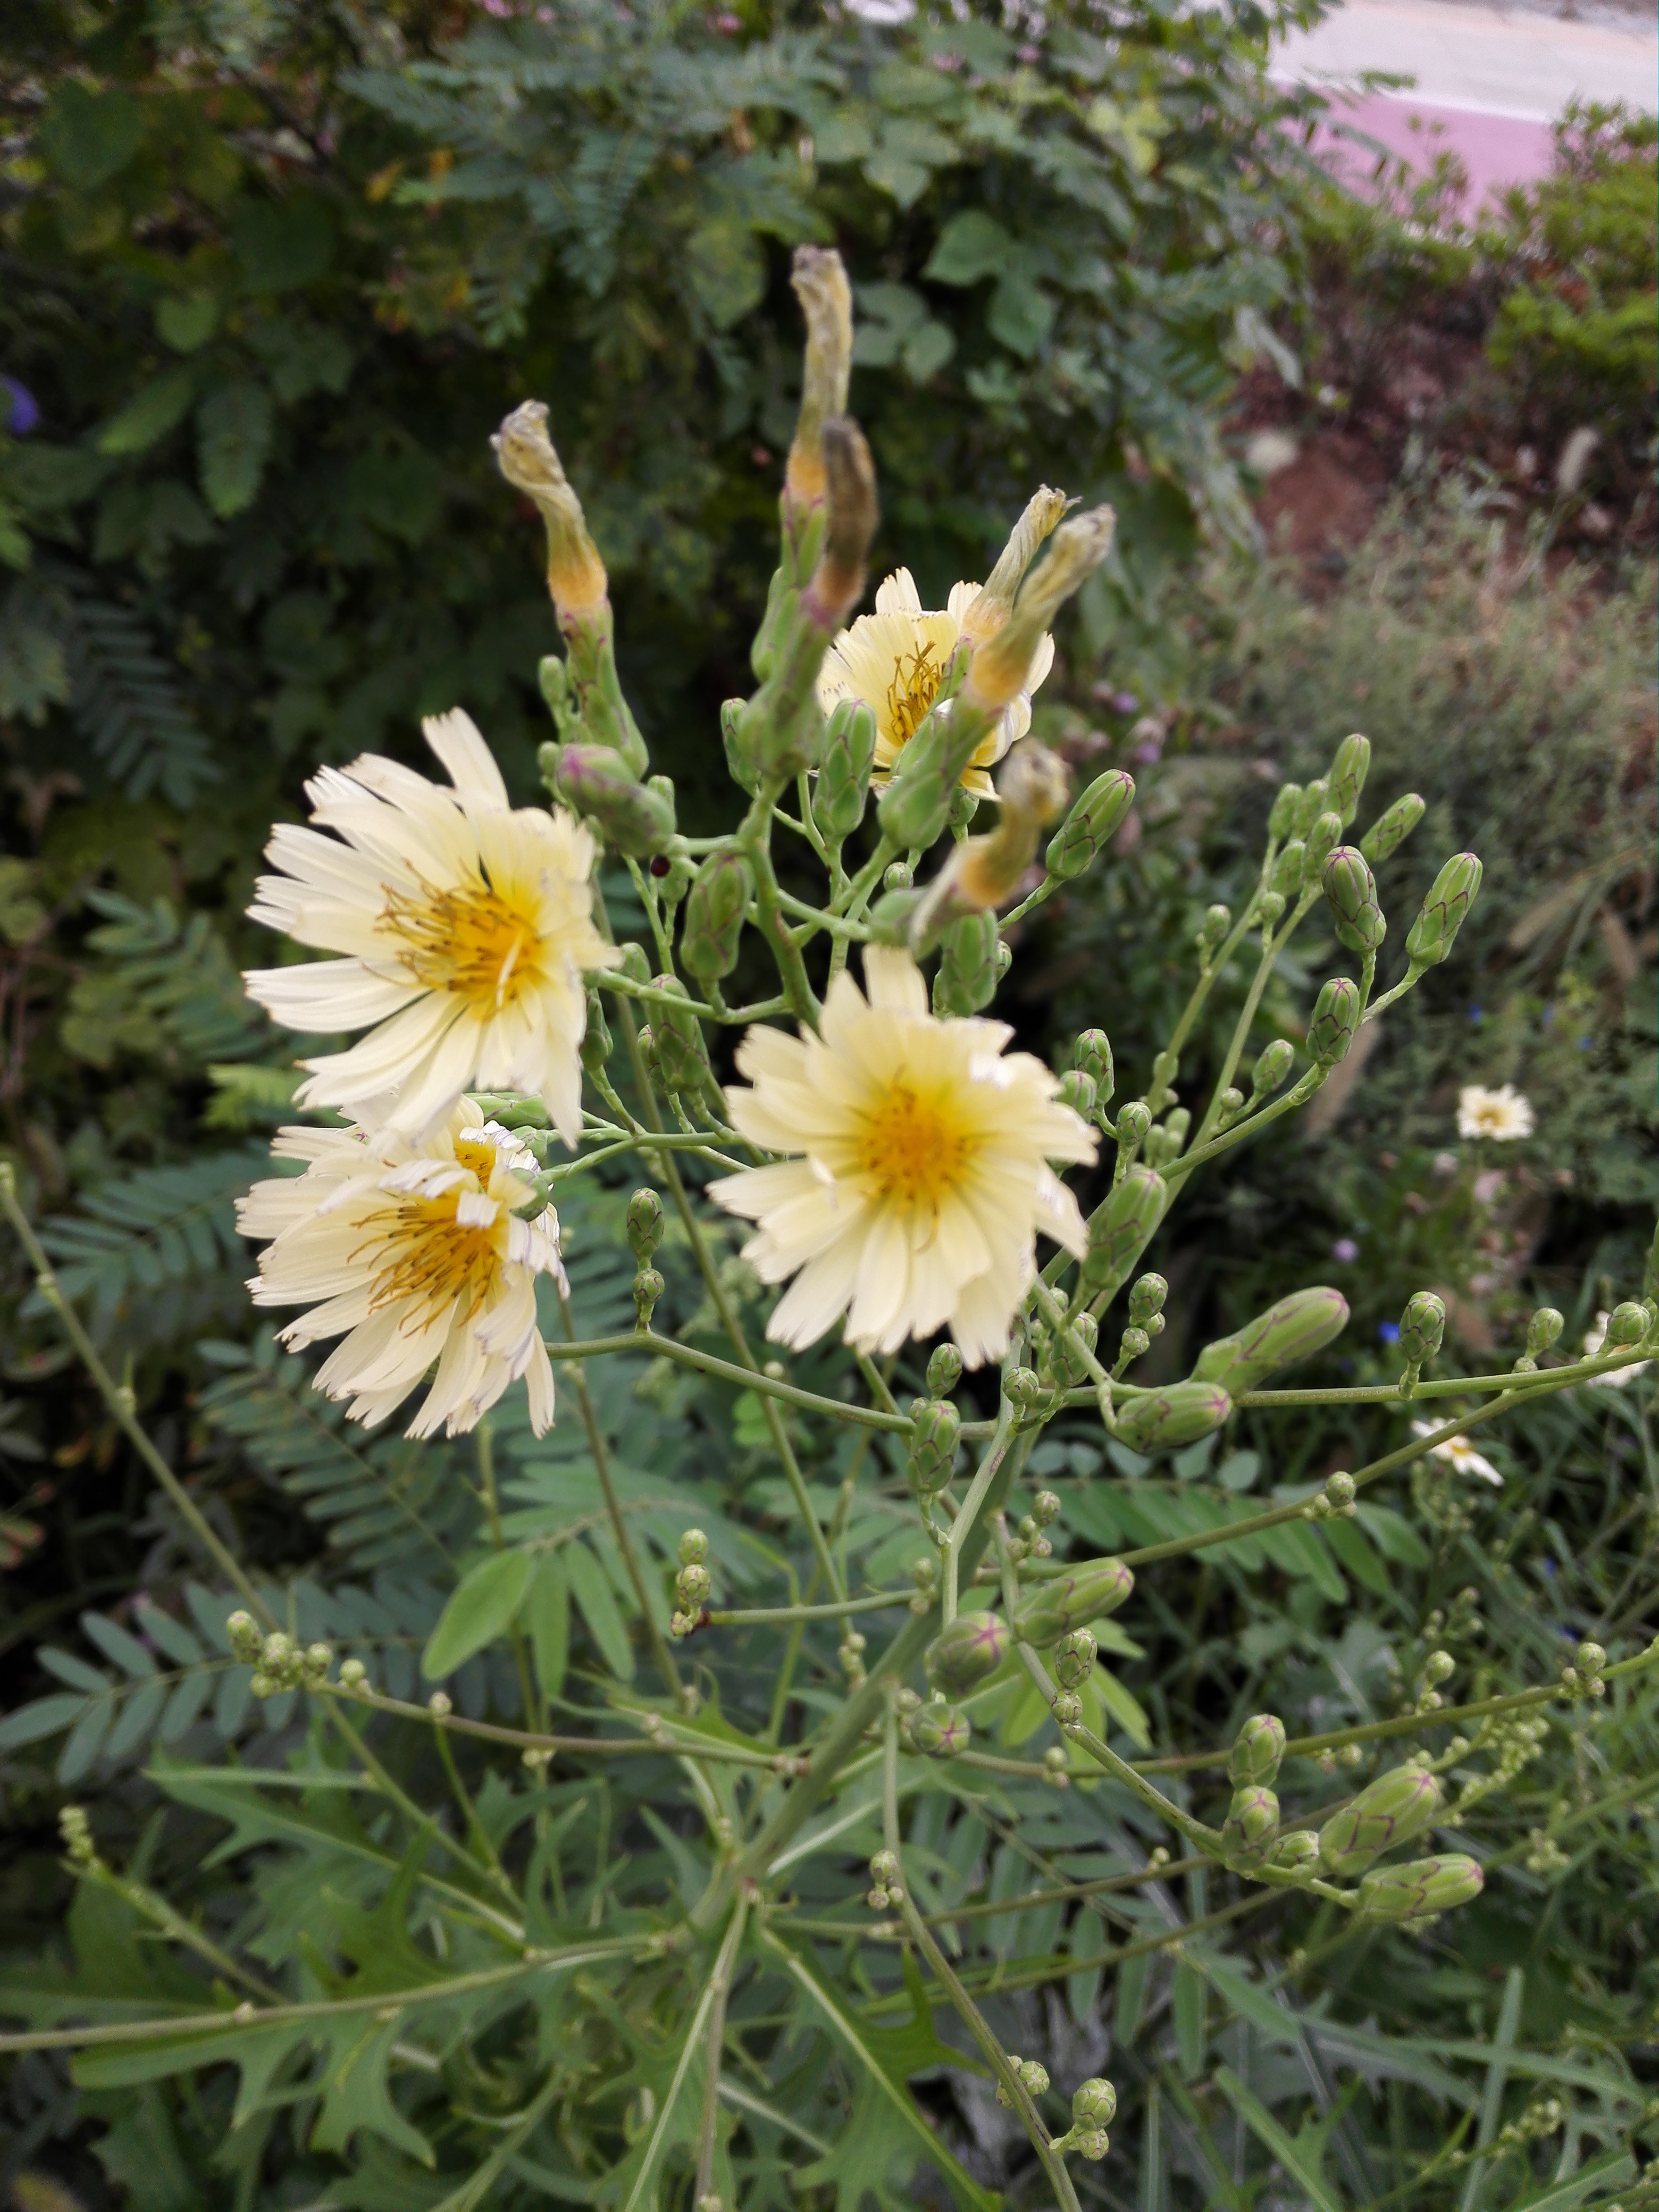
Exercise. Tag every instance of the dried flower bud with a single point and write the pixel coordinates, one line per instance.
(1291, 1331)
(1351, 889)
(1163, 1420)
(1257, 1749)
(526, 456)
(990, 610)
(1092, 824)
(714, 909)
(1000, 666)
(974, 1646)
(820, 284)
(1434, 930)
(1390, 830)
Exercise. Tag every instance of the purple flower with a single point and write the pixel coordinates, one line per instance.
(24, 415)
(1345, 1249)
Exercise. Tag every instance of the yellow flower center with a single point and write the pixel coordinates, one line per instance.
(424, 1255)
(911, 1150)
(913, 690)
(471, 941)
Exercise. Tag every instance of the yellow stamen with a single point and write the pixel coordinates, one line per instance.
(470, 941)
(911, 1150)
(425, 1258)
(916, 678)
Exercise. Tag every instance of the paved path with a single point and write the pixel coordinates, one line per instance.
(1489, 81)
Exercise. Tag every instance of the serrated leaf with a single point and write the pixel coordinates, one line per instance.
(234, 430)
(483, 1606)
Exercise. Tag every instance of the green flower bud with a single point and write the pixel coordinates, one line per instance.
(1175, 1126)
(1146, 1298)
(1092, 824)
(743, 770)
(1351, 888)
(941, 1731)
(1311, 804)
(1074, 1658)
(1542, 1330)
(1423, 1887)
(693, 1586)
(1591, 1658)
(1347, 777)
(1092, 1053)
(1077, 1090)
(1291, 1331)
(890, 917)
(648, 1287)
(693, 1548)
(1335, 1021)
(844, 773)
(714, 910)
(1257, 1749)
(352, 1675)
(1120, 1226)
(1299, 1849)
(1071, 1600)
(634, 965)
(973, 1646)
(1390, 830)
(1391, 1810)
(1321, 843)
(1217, 920)
(1092, 2144)
(681, 1055)
(1434, 930)
(967, 977)
(246, 1640)
(596, 1036)
(1094, 2104)
(1251, 1828)
(916, 805)
(933, 1445)
(636, 817)
(1422, 1326)
(1064, 1351)
(1287, 802)
(1165, 1419)
(1286, 878)
(644, 1225)
(1626, 1324)
(943, 1370)
(1272, 1065)
(1230, 1104)
(1134, 1344)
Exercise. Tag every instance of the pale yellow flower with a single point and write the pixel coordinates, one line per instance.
(1502, 1115)
(894, 660)
(467, 929)
(1616, 1378)
(921, 1173)
(1459, 1453)
(414, 1253)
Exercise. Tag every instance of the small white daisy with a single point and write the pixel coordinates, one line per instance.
(467, 929)
(1459, 1452)
(921, 1173)
(413, 1254)
(1502, 1114)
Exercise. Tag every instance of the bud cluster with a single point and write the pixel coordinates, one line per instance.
(693, 1585)
(75, 1830)
(1094, 2107)
(1335, 1502)
(885, 1887)
(277, 1662)
(1583, 1678)
(1031, 2075)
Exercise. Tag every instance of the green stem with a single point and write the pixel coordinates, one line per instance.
(596, 1747)
(881, 1602)
(596, 1444)
(960, 1526)
(746, 1378)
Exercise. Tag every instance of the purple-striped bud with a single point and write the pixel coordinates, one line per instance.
(973, 1646)
(1421, 1887)
(1293, 1330)
(1397, 1805)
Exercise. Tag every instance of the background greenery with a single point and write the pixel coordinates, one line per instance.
(268, 278)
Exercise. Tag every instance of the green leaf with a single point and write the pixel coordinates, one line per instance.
(44, 1717)
(546, 1615)
(596, 1603)
(88, 137)
(186, 320)
(1610, 2171)
(1393, 1535)
(1274, 2141)
(1124, 1707)
(113, 1641)
(233, 435)
(726, 266)
(153, 410)
(282, 244)
(926, 353)
(1353, 1549)
(972, 245)
(1021, 314)
(1186, 2002)
(80, 1754)
(138, 1719)
(483, 1606)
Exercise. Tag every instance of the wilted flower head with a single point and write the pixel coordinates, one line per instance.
(1502, 1115)
(466, 927)
(413, 1253)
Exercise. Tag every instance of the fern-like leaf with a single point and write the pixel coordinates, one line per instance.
(149, 1229)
